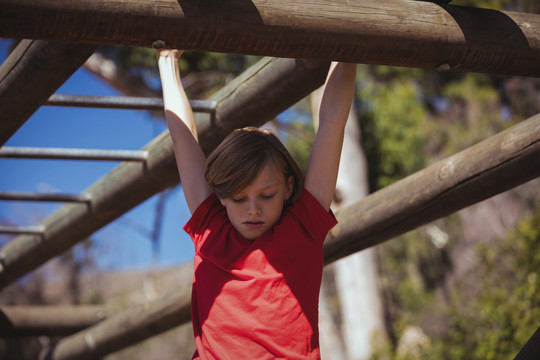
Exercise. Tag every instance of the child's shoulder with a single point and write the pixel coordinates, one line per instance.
(306, 218)
(207, 210)
(308, 210)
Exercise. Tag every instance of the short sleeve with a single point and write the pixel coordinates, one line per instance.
(207, 212)
(313, 217)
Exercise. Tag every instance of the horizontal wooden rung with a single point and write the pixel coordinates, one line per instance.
(123, 102)
(72, 154)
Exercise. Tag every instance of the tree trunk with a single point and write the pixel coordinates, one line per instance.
(329, 335)
(356, 275)
(361, 304)
(331, 343)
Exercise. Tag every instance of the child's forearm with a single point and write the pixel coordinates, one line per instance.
(190, 159)
(323, 165)
(175, 100)
(338, 94)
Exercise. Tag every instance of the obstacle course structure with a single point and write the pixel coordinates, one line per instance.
(389, 32)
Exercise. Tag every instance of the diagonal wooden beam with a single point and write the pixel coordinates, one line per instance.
(127, 328)
(497, 164)
(18, 321)
(256, 96)
(31, 74)
(387, 32)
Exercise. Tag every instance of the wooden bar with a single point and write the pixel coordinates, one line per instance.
(19, 230)
(497, 164)
(16, 321)
(31, 73)
(44, 197)
(72, 154)
(127, 328)
(387, 32)
(122, 102)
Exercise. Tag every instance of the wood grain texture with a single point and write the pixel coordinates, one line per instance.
(48, 320)
(493, 166)
(127, 328)
(31, 74)
(387, 32)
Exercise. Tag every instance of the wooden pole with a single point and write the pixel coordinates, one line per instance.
(47, 320)
(30, 74)
(387, 32)
(531, 349)
(256, 96)
(122, 102)
(127, 328)
(493, 166)
(71, 154)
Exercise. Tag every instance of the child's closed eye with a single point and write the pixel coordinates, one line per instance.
(268, 197)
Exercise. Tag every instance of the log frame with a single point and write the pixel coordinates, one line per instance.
(127, 328)
(497, 164)
(465, 39)
(16, 321)
(430, 35)
(31, 73)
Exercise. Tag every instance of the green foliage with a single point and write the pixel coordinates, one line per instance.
(475, 111)
(393, 116)
(499, 320)
(412, 117)
(411, 269)
(211, 70)
(298, 134)
(493, 311)
(300, 151)
(133, 58)
(486, 4)
(531, 6)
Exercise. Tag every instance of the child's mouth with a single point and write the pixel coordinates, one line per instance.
(253, 223)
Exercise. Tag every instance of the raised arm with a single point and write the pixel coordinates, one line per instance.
(322, 169)
(180, 120)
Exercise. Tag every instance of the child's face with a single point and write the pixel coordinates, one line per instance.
(256, 208)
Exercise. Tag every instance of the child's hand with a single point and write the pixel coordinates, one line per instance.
(169, 53)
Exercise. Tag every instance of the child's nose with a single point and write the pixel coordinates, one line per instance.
(254, 208)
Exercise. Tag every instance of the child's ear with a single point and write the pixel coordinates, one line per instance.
(222, 201)
(289, 184)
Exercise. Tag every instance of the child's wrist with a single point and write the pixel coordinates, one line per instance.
(170, 54)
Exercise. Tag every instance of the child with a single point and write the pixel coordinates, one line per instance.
(257, 226)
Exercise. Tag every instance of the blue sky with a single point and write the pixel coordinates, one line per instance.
(118, 245)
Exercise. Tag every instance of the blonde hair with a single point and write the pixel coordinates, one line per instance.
(240, 158)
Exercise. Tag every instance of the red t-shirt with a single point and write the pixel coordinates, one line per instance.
(258, 299)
